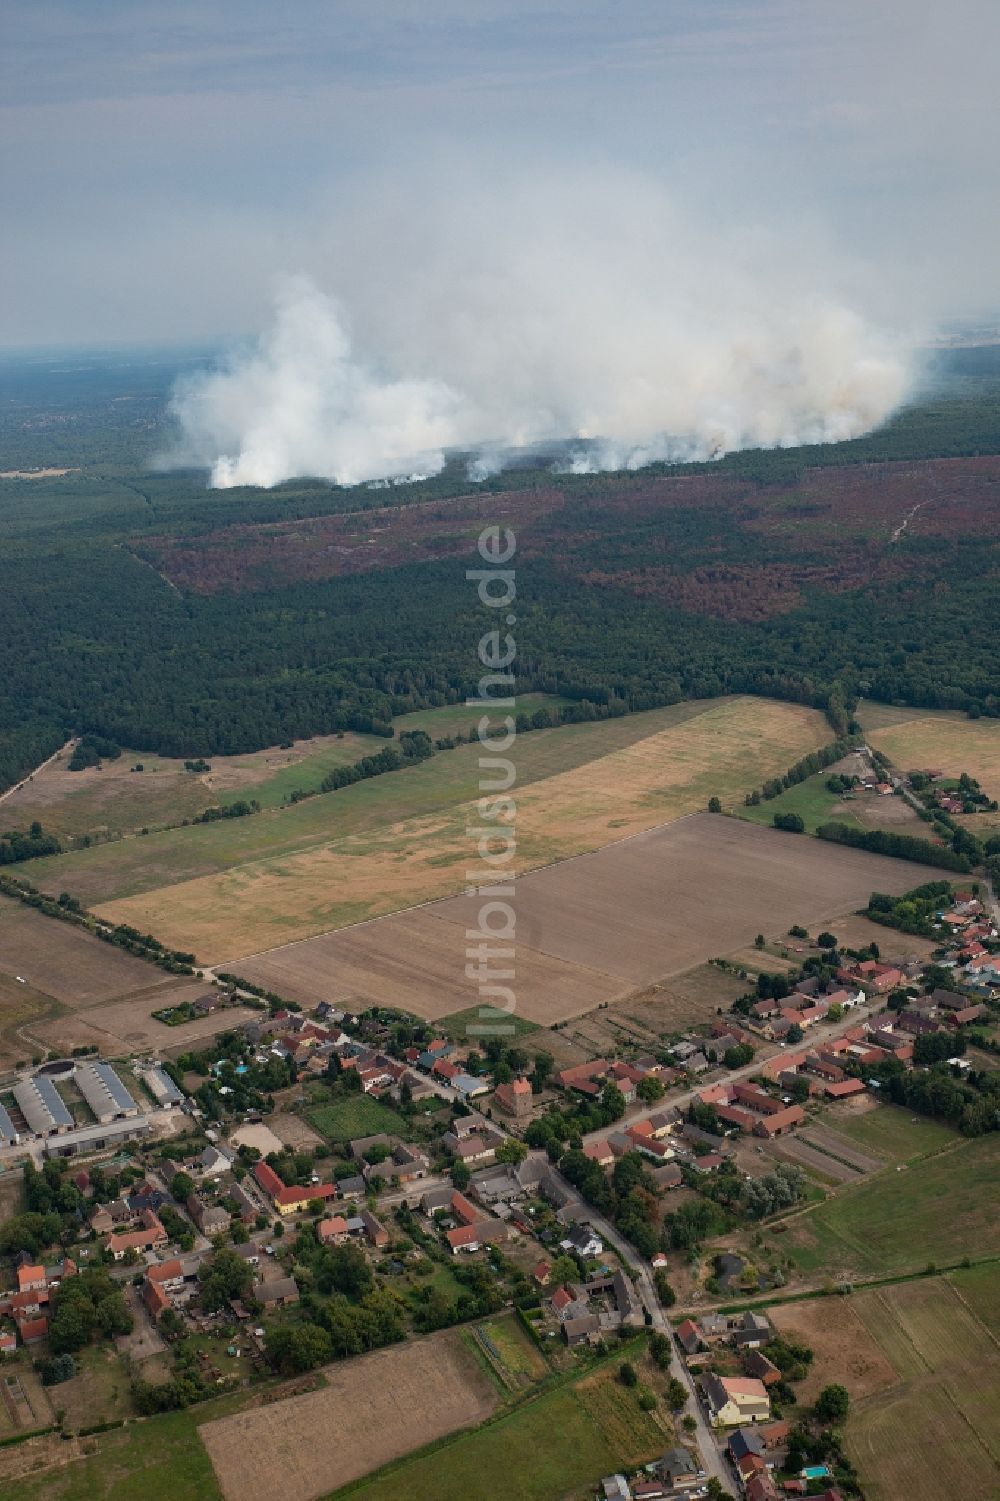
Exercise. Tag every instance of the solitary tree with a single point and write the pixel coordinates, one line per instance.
(832, 1404)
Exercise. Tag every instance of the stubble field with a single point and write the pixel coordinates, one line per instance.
(372, 1410)
(596, 928)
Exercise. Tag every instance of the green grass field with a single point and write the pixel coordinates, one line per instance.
(557, 1446)
(358, 1116)
(811, 800)
(944, 1416)
(159, 1459)
(457, 1025)
(979, 1288)
(895, 1133)
(130, 866)
(937, 1210)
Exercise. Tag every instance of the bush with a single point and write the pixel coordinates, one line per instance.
(627, 1374)
(791, 823)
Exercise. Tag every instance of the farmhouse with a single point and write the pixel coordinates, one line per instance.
(277, 1292)
(777, 1125)
(736, 1399)
(152, 1234)
(332, 1231)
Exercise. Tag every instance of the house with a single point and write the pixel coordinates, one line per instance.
(616, 1488)
(756, 1099)
(735, 1115)
(756, 1364)
(583, 1240)
(582, 1076)
(600, 1152)
(375, 1230)
(678, 1469)
(277, 1292)
(844, 1089)
(8, 1342)
(746, 1443)
(152, 1234)
(667, 1177)
(753, 1329)
(470, 1087)
(760, 1487)
(736, 1399)
(777, 1125)
(33, 1331)
(167, 1274)
(332, 1231)
(31, 1278)
(211, 1219)
(582, 1330)
(648, 1490)
(514, 1099)
(688, 1337)
(463, 1238)
(354, 1187)
(542, 1272)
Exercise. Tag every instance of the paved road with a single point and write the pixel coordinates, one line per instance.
(813, 1038)
(712, 1460)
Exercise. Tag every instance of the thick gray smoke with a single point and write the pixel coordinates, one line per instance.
(607, 317)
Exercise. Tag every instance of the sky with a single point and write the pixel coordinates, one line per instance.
(164, 165)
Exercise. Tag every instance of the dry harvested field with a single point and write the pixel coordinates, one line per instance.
(65, 962)
(844, 1349)
(653, 1014)
(80, 991)
(945, 744)
(129, 1025)
(278, 890)
(372, 1410)
(292, 1131)
(943, 1418)
(596, 928)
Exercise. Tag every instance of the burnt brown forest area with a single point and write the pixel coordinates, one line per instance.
(144, 608)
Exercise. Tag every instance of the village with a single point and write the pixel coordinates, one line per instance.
(310, 1185)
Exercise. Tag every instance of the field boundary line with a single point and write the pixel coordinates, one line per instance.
(969, 1308)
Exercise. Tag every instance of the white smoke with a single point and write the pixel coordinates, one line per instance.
(541, 315)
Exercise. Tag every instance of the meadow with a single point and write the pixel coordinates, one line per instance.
(165, 1452)
(893, 1132)
(361, 1115)
(131, 866)
(936, 1210)
(938, 1428)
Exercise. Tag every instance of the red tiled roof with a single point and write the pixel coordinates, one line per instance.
(306, 1193)
(267, 1178)
(462, 1235)
(165, 1271)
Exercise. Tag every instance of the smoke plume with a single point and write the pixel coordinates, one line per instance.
(588, 310)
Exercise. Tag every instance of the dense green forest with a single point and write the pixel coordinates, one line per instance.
(97, 642)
